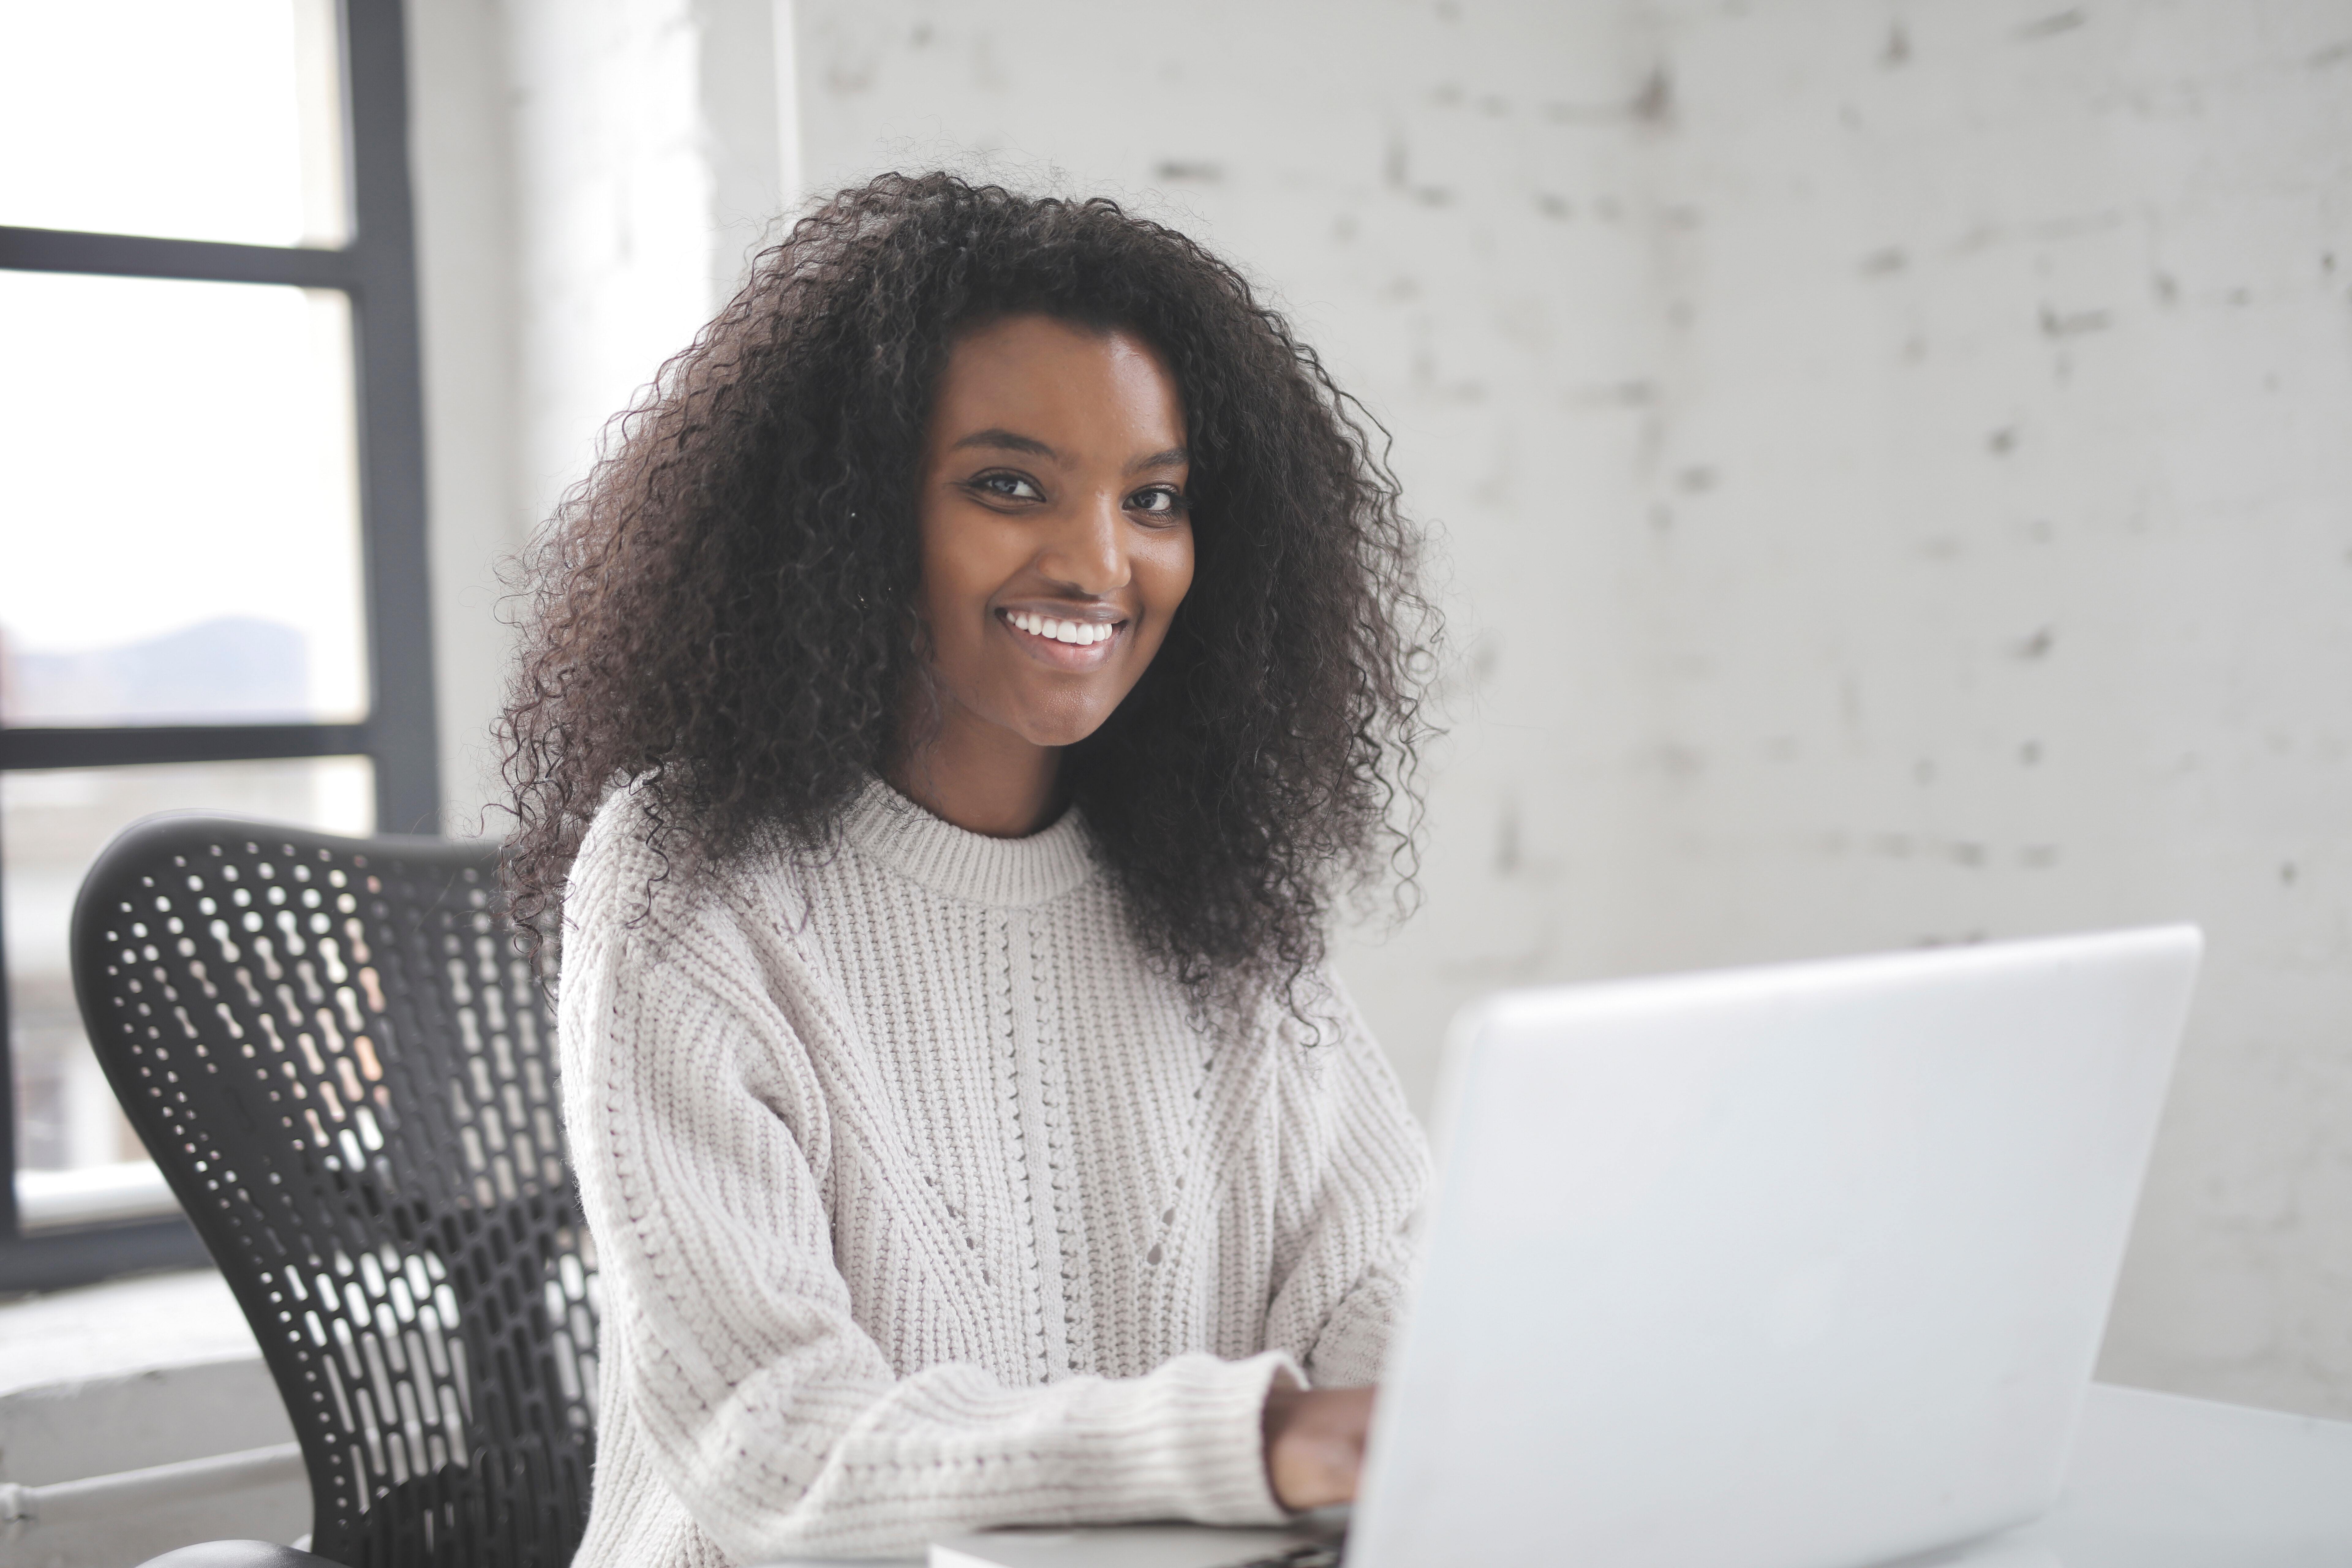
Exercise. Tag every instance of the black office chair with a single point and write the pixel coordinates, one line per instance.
(348, 1075)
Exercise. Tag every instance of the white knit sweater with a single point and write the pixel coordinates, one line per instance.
(920, 1204)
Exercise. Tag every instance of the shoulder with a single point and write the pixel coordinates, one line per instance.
(631, 851)
(681, 969)
(640, 871)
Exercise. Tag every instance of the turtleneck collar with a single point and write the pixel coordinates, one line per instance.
(893, 831)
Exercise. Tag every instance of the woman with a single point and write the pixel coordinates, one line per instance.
(947, 716)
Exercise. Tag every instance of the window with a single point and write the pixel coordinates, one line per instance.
(212, 538)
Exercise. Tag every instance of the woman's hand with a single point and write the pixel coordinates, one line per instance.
(1314, 1442)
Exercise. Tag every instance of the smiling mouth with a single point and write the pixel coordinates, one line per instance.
(1072, 634)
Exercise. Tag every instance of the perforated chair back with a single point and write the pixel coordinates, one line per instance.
(347, 1074)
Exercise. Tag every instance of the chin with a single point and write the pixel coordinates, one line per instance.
(1061, 728)
(1063, 735)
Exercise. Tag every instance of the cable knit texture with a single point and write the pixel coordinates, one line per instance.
(922, 1202)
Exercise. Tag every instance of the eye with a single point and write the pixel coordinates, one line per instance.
(1000, 485)
(1161, 502)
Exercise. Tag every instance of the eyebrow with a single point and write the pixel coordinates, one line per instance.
(1173, 457)
(1002, 440)
(1006, 441)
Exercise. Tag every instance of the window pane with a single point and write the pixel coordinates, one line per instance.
(52, 826)
(214, 121)
(180, 519)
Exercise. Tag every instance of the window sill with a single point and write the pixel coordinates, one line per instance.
(95, 1194)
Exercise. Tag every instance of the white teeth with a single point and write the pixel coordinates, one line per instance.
(1079, 634)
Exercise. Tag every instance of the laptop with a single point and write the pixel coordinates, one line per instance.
(1799, 1266)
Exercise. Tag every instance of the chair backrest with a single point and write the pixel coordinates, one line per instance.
(347, 1073)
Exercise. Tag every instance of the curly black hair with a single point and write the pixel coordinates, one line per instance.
(722, 610)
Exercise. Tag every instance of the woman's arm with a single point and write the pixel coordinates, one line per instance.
(1355, 1169)
(700, 1141)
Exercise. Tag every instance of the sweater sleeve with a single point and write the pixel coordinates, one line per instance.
(701, 1139)
(1356, 1168)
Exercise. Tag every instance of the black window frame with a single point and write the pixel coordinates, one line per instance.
(376, 270)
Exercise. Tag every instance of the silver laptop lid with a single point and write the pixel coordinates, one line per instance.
(1787, 1267)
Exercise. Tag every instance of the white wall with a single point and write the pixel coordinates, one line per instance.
(1887, 458)
(590, 176)
(464, 179)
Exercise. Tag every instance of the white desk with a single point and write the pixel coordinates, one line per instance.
(2160, 1482)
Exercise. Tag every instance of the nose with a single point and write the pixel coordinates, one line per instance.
(1086, 552)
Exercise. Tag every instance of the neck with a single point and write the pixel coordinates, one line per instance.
(981, 777)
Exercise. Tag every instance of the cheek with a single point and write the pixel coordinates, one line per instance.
(952, 594)
(1167, 572)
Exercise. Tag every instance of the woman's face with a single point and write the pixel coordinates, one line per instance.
(1057, 539)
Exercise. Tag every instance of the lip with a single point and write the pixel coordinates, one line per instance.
(1062, 656)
